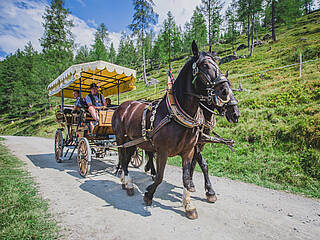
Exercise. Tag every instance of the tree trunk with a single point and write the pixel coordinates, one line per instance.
(273, 20)
(248, 31)
(306, 6)
(143, 55)
(209, 24)
(252, 35)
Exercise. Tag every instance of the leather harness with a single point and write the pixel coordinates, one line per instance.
(175, 111)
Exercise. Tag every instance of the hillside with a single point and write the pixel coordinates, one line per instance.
(278, 136)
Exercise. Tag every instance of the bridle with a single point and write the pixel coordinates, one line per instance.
(211, 97)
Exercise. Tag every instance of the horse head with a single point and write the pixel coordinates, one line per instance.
(212, 85)
(208, 79)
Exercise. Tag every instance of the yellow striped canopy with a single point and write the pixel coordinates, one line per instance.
(110, 78)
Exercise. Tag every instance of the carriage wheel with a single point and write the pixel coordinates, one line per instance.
(137, 158)
(84, 157)
(58, 145)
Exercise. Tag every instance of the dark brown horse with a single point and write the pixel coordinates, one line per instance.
(231, 111)
(199, 79)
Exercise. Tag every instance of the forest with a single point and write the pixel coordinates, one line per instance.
(25, 74)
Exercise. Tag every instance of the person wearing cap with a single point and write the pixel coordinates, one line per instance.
(95, 101)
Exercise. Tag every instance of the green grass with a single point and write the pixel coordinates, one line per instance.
(278, 135)
(23, 213)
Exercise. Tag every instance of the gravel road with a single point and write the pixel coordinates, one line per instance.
(97, 207)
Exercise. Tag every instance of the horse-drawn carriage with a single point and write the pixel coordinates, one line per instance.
(75, 131)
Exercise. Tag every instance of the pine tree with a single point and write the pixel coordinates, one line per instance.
(231, 23)
(187, 37)
(198, 28)
(170, 33)
(143, 17)
(211, 9)
(83, 55)
(103, 34)
(57, 41)
(99, 50)
(112, 53)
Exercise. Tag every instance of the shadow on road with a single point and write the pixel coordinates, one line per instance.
(114, 196)
(110, 190)
(98, 167)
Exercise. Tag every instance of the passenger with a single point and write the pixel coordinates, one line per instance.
(108, 102)
(95, 101)
(80, 102)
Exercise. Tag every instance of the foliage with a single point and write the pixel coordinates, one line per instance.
(57, 41)
(211, 10)
(143, 18)
(24, 215)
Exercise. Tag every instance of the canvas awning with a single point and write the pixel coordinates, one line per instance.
(110, 78)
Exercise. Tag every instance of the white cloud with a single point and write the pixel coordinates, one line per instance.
(83, 34)
(115, 38)
(181, 10)
(22, 22)
(2, 58)
(81, 3)
(92, 22)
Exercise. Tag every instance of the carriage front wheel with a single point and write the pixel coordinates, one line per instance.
(84, 157)
(58, 145)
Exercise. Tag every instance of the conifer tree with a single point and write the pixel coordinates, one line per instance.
(99, 50)
(198, 28)
(83, 55)
(231, 23)
(57, 40)
(211, 10)
(112, 53)
(143, 18)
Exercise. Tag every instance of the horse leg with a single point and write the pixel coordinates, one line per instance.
(150, 165)
(210, 194)
(126, 180)
(191, 211)
(161, 164)
(192, 166)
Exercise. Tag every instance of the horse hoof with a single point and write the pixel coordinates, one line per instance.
(123, 186)
(192, 214)
(192, 189)
(130, 191)
(211, 198)
(147, 201)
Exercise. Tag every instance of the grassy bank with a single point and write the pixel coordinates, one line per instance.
(23, 214)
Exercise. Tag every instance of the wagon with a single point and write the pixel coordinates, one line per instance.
(75, 132)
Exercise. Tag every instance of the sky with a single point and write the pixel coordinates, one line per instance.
(21, 21)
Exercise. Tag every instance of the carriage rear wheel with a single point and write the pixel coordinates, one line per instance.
(84, 157)
(58, 145)
(137, 158)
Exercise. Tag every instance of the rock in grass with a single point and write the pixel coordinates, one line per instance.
(241, 46)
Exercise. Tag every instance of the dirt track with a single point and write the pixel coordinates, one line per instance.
(97, 208)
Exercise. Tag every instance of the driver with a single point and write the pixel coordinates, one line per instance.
(95, 101)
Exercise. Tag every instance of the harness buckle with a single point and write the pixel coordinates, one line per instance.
(195, 69)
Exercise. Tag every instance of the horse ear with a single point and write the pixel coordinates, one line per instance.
(227, 73)
(195, 49)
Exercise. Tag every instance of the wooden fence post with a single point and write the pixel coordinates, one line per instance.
(253, 80)
(300, 65)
